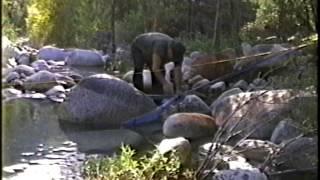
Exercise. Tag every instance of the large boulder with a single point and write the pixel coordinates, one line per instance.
(259, 109)
(52, 53)
(189, 125)
(83, 57)
(192, 103)
(104, 101)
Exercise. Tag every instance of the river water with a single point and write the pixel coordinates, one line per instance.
(34, 146)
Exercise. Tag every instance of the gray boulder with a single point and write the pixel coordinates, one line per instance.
(242, 84)
(40, 81)
(239, 174)
(40, 65)
(299, 154)
(189, 125)
(180, 145)
(104, 101)
(82, 57)
(192, 103)
(285, 130)
(260, 110)
(52, 53)
(23, 69)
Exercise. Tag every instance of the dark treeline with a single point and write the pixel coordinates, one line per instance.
(201, 24)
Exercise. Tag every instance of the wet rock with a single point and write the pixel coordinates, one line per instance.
(66, 81)
(24, 69)
(11, 76)
(15, 168)
(259, 110)
(285, 130)
(11, 92)
(189, 125)
(105, 141)
(227, 93)
(239, 174)
(99, 101)
(299, 154)
(56, 94)
(40, 81)
(225, 156)
(202, 85)
(192, 103)
(257, 150)
(242, 84)
(52, 53)
(180, 145)
(82, 57)
(34, 96)
(24, 59)
(195, 79)
(217, 87)
(40, 65)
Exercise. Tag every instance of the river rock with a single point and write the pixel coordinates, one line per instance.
(242, 84)
(52, 53)
(195, 79)
(257, 150)
(11, 76)
(192, 103)
(180, 145)
(285, 130)
(99, 101)
(217, 87)
(40, 65)
(202, 85)
(56, 94)
(299, 154)
(189, 125)
(263, 111)
(83, 57)
(239, 174)
(24, 59)
(23, 69)
(40, 81)
(227, 93)
(105, 141)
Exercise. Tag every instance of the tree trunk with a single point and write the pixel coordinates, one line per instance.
(216, 23)
(113, 6)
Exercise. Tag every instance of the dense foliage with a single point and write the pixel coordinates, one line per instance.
(203, 24)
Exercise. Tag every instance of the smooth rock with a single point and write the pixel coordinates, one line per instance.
(180, 145)
(40, 81)
(11, 92)
(202, 85)
(260, 110)
(24, 69)
(83, 57)
(40, 65)
(195, 79)
(299, 154)
(242, 84)
(24, 59)
(239, 174)
(227, 93)
(189, 125)
(99, 101)
(52, 53)
(11, 76)
(284, 131)
(257, 150)
(217, 87)
(192, 103)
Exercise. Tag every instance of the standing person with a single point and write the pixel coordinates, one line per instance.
(155, 50)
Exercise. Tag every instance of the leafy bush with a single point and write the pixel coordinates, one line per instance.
(128, 166)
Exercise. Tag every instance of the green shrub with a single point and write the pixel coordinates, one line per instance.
(128, 165)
